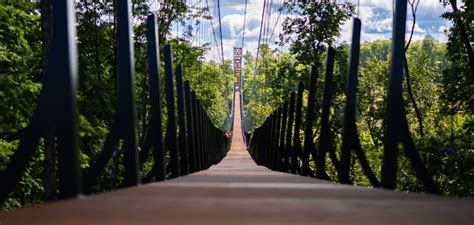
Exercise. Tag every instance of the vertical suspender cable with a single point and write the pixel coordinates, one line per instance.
(245, 20)
(222, 48)
(213, 31)
(276, 24)
(220, 30)
(260, 35)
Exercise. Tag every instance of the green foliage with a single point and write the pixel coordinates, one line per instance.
(427, 61)
(96, 50)
(457, 80)
(312, 26)
(439, 75)
(17, 97)
(19, 89)
(446, 148)
(208, 85)
(21, 79)
(18, 28)
(268, 86)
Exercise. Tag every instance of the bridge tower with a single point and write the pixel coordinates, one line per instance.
(237, 64)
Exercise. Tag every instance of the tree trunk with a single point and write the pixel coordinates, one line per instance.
(419, 117)
(464, 36)
(414, 7)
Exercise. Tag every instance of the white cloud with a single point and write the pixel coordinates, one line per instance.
(253, 6)
(374, 3)
(234, 24)
(442, 29)
(375, 26)
(376, 17)
(416, 28)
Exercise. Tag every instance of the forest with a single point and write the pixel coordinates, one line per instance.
(437, 91)
(438, 87)
(24, 37)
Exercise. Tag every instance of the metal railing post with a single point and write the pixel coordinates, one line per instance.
(297, 148)
(171, 142)
(183, 145)
(308, 132)
(325, 140)
(154, 135)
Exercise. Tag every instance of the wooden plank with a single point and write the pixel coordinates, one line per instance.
(237, 191)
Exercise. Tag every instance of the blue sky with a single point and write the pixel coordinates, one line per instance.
(376, 17)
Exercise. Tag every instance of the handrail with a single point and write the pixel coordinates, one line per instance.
(284, 152)
(191, 139)
(124, 124)
(56, 107)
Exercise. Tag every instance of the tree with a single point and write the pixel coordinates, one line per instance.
(414, 7)
(461, 21)
(24, 35)
(278, 75)
(458, 76)
(20, 77)
(313, 25)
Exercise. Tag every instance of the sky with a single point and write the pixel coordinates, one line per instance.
(376, 17)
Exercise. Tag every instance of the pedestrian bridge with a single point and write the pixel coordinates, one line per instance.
(238, 191)
(195, 177)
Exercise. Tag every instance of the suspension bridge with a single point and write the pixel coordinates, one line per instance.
(205, 175)
(238, 191)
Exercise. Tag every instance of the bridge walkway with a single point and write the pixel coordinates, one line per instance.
(237, 191)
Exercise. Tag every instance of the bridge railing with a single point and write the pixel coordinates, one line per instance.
(277, 143)
(246, 120)
(191, 143)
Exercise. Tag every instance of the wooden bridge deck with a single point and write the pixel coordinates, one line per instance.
(237, 191)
